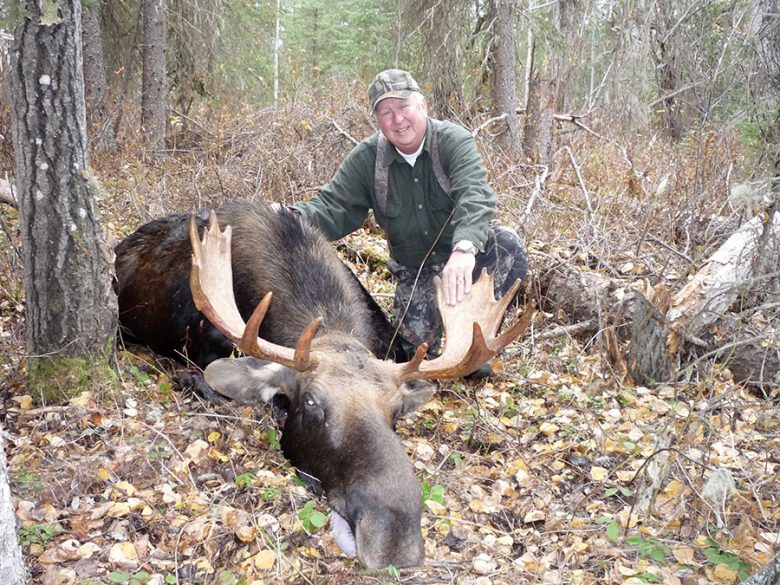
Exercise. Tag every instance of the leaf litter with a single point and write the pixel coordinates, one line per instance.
(553, 471)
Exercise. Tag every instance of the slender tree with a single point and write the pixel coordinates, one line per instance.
(153, 91)
(71, 306)
(95, 87)
(666, 66)
(766, 34)
(505, 73)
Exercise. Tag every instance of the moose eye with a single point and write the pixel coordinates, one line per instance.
(312, 411)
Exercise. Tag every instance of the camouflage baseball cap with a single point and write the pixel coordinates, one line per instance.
(392, 83)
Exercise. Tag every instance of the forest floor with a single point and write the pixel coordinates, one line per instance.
(559, 469)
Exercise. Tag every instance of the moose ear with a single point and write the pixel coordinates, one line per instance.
(249, 380)
(416, 393)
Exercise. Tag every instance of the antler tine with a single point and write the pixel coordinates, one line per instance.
(481, 315)
(211, 282)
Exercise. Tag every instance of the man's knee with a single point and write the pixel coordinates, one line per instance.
(511, 256)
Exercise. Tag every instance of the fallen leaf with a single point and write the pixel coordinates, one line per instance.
(123, 555)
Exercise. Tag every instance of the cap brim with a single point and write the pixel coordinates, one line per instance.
(401, 94)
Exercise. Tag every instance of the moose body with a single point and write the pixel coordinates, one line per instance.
(342, 397)
(277, 253)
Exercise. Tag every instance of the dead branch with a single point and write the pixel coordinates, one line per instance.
(344, 133)
(539, 182)
(487, 123)
(580, 180)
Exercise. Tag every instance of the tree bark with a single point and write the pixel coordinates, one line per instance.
(647, 358)
(505, 74)
(768, 575)
(71, 316)
(153, 90)
(766, 33)
(95, 88)
(12, 570)
(667, 75)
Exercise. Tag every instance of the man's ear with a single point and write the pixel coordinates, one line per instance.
(416, 393)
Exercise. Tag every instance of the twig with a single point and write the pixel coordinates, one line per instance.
(672, 249)
(488, 122)
(539, 181)
(580, 180)
(575, 119)
(199, 125)
(720, 349)
(344, 133)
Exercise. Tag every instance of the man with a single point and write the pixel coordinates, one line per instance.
(427, 185)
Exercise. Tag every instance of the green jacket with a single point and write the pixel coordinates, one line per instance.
(417, 206)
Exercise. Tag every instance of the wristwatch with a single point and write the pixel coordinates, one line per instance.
(465, 246)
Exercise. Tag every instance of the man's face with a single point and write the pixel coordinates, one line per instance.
(403, 121)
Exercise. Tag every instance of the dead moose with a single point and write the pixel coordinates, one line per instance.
(319, 346)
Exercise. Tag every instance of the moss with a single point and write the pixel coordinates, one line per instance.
(53, 380)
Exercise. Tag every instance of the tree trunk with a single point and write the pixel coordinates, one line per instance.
(95, 89)
(71, 316)
(766, 32)
(153, 102)
(666, 68)
(11, 564)
(647, 358)
(505, 74)
(768, 575)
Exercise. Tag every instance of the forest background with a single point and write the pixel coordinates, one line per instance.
(627, 142)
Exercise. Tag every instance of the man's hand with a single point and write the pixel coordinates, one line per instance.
(456, 276)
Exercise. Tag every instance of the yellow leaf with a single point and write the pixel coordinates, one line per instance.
(82, 399)
(123, 555)
(246, 533)
(625, 520)
(264, 560)
(684, 555)
(103, 474)
(24, 401)
(724, 574)
(204, 564)
(218, 455)
(214, 436)
(674, 488)
(548, 429)
(598, 473)
(126, 487)
(119, 509)
(516, 466)
(436, 507)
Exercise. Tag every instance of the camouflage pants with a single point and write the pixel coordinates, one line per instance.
(415, 302)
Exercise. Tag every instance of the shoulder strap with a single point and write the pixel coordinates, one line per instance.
(438, 169)
(381, 179)
(381, 172)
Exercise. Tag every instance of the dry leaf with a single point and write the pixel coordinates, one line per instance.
(124, 556)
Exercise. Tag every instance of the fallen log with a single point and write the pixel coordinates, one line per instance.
(672, 335)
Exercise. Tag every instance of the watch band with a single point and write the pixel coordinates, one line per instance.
(466, 247)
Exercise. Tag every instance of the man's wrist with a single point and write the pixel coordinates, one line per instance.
(466, 247)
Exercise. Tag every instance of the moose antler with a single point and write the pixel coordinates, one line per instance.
(211, 281)
(470, 327)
